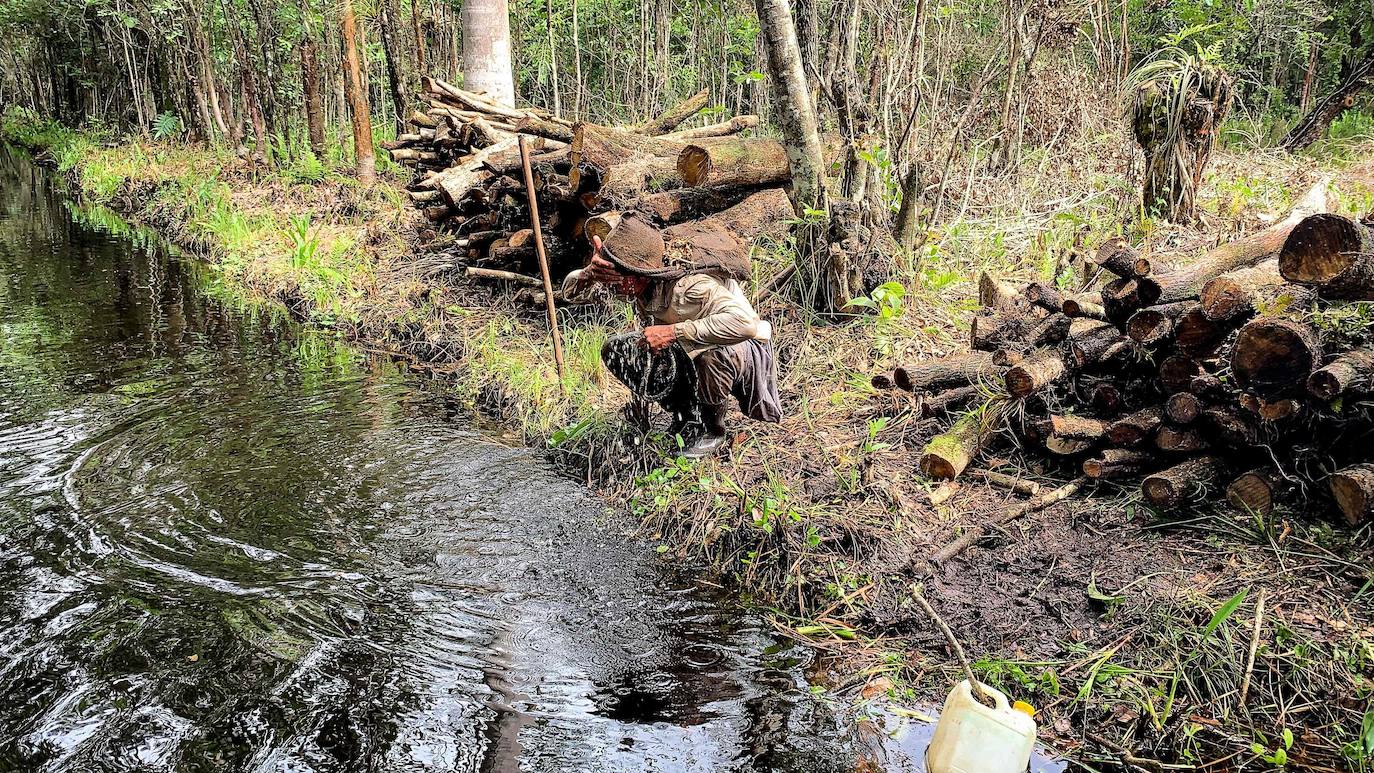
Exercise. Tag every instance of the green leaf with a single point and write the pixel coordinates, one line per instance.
(1367, 734)
(1097, 595)
(1223, 612)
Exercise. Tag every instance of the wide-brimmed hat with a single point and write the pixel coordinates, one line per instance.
(634, 246)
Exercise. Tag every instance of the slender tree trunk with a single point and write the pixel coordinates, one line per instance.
(822, 269)
(1316, 121)
(395, 63)
(487, 50)
(248, 85)
(314, 99)
(357, 98)
(553, 59)
(419, 35)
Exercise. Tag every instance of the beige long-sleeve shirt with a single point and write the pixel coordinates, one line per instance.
(705, 310)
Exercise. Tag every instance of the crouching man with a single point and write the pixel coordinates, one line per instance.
(702, 341)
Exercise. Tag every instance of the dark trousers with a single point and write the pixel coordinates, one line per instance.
(683, 385)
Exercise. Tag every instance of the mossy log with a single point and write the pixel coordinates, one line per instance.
(948, 454)
(1184, 483)
(734, 161)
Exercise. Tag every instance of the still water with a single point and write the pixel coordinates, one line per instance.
(230, 544)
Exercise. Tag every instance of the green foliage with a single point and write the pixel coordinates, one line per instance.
(166, 126)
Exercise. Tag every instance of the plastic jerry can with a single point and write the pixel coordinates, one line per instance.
(972, 738)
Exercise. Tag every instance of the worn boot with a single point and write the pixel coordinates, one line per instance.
(712, 436)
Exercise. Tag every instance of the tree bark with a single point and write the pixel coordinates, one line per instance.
(487, 50)
(824, 274)
(1255, 491)
(671, 118)
(952, 371)
(1242, 292)
(949, 454)
(736, 162)
(314, 99)
(1037, 372)
(357, 99)
(1119, 463)
(1136, 428)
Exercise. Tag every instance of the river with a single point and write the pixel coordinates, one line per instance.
(231, 543)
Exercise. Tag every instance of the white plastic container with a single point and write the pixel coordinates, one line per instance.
(972, 738)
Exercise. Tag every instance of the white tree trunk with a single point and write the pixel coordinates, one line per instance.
(486, 50)
(796, 116)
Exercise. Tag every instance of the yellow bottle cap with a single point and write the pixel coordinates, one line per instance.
(1024, 708)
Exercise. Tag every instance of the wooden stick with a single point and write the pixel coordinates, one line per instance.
(509, 276)
(975, 533)
(543, 261)
(975, 686)
(1254, 646)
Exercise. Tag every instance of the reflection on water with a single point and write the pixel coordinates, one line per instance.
(230, 545)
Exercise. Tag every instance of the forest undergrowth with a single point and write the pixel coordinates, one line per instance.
(1131, 632)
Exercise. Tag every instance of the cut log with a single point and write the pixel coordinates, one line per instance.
(949, 400)
(1351, 372)
(1037, 372)
(1230, 427)
(1011, 483)
(765, 211)
(458, 179)
(1183, 483)
(1275, 357)
(990, 332)
(734, 161)
(1256, 491)
(882, 382)
(1240, 293)
(1176, 372)
(1084, 305)
(1188, 281)
(1183, 407)
(1188, 440)
(1119, 463)
(1136, 428)
(724, 129)
(675, 206)
(1117, 256)
(1353, 489)
(1106, 398)
(1335, 254)
(1042, 295)
(948, 454)
(1197, 336)
(1154, 325)
(1123, 297)
(1066, 435)
(671, 118)
(996, 295)
(1049, 331)
(952, 371)
(1209, 387)
(1092, 342)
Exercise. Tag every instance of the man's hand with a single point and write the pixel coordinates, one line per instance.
(659, 337)
(599, 269)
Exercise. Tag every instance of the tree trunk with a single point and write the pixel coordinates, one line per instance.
(1314, 124)
(314, 99)
(1255, 491)
(1119, 463)
(487, 50)
(395, 62)
(949, 454)
(1178, 132)
(357, 99)
(1038, 371)
(824, 273)
(1188, 282)
(1155, 325)
(1333, 253)
(1136, 428)
(671, 118)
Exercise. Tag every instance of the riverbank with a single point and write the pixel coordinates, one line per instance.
(1125, 629)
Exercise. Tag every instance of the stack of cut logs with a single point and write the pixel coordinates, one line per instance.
(1242, 372)
(700, 185)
